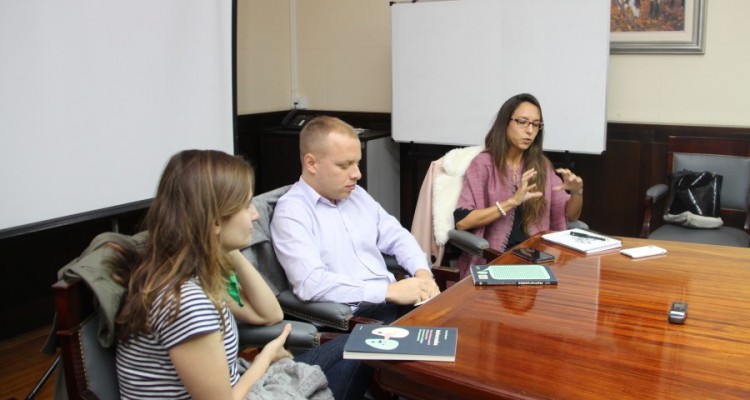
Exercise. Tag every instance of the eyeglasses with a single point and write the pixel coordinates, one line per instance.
(523, 123)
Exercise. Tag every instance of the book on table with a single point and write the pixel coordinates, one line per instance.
(411, 343)
(511, 274)
(583, 240)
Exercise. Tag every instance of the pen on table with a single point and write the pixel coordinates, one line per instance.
(587, 236)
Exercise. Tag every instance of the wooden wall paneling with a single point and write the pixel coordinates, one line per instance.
(615, 183)
(617, 190)
(247, 141)
(279, 162)
(586, 166)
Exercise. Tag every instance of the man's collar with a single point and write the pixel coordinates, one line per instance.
(312, 196)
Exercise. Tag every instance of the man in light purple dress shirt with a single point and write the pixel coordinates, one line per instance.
(329, 233)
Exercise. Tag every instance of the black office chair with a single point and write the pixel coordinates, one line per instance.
(729, 158)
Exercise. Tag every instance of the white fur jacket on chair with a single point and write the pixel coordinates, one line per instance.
(437, 200)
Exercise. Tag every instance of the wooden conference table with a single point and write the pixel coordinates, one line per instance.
(602, 332)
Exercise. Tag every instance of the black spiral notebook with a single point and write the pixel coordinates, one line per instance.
(522, 274)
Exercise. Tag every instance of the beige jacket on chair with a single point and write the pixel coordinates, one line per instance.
(433, 216)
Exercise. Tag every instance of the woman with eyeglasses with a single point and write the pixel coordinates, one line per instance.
(511, 190)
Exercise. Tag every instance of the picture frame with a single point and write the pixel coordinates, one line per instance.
(630, 35)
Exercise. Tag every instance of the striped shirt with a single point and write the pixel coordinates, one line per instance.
(144, 369)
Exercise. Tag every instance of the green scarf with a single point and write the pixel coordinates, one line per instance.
(234, 289)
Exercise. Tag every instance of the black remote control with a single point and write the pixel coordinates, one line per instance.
(678, 313)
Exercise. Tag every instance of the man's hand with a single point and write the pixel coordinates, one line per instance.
(433, 289)
(412, 290)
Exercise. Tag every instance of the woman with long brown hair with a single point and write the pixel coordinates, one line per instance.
(511, 190)
(177, 333)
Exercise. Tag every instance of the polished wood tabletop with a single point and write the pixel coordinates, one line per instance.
(602, 332)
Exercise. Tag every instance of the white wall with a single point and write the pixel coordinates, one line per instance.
(263, 56)
(712, 89)
(95, 97)
(344, 64)
(344, 50)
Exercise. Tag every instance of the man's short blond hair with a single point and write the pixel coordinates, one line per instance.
(313, 135)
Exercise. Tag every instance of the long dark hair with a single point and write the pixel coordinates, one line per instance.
(198, 190)
(497, 144)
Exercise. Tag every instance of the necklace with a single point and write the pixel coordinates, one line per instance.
(515, 176)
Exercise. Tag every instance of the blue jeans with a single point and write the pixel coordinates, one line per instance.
(384, 312)
(347, 379)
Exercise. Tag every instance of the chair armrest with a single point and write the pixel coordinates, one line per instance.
(653, 194)
(577, 224)
(443, 274)
(468, 242)
(334, 315)
(303, 335)
(394, 267)
(657, 191)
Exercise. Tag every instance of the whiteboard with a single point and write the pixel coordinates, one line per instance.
(95, 96)
(454, 63)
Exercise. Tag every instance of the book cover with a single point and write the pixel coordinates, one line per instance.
(523, 274)
(387, 342)
(582, 240)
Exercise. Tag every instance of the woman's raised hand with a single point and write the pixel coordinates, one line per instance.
(571, 181)
(525, 190)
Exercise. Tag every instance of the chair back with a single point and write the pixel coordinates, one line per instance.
(87, 299)
(433, 214)
(447, 189)
(88, 367)
(727, 157)
(260, 252)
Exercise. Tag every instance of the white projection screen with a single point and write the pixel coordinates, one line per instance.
(96, 95)
(455, 63)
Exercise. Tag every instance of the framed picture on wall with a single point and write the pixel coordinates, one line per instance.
(657, 26)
